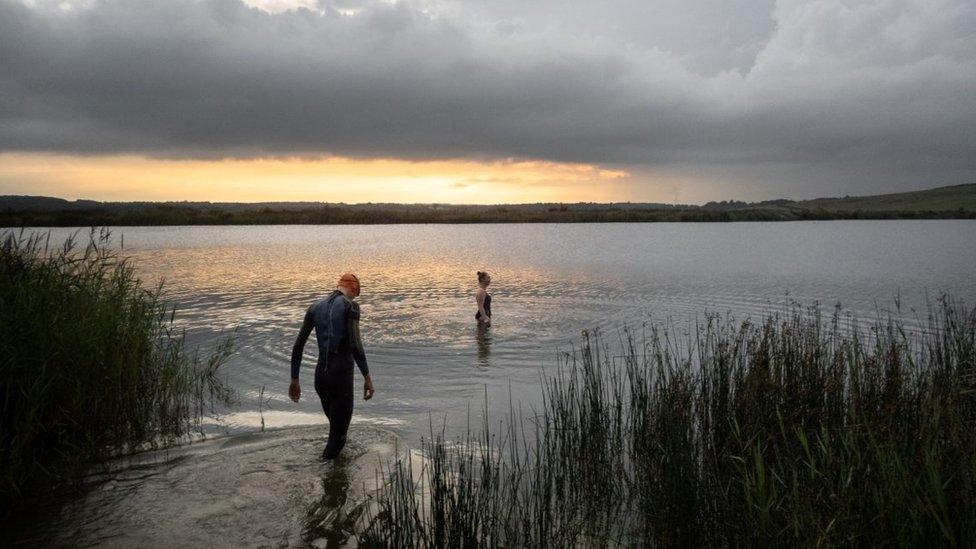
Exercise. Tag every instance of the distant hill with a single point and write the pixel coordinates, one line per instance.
(939, 199)
(957, 201)
(936, 200)
(43, 204)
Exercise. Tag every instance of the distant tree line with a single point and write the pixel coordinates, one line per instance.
(347, 215)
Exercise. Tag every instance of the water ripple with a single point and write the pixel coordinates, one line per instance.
(430, 361)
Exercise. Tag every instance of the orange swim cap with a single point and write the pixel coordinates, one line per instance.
(349, 281)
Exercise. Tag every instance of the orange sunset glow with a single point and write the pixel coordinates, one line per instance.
(330, 179)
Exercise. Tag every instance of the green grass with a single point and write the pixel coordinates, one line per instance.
(90, 363)
(799, 429)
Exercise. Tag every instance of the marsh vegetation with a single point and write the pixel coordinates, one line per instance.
(799, 428)
(91, 364)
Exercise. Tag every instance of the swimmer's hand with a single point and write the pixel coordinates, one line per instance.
(368, 388)
(294, 390)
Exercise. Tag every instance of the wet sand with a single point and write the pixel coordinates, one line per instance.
(267, 489)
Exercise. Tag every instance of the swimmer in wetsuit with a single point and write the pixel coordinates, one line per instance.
(336, 323)
(484, 299)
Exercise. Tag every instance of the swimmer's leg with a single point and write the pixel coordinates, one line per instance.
(322, 389)
(337, 402)
(340, 414)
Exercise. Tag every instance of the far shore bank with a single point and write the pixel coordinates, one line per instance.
(340, 215)
(951, 202)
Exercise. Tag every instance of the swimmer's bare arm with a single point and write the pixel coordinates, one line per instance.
(295, 389)
(358, 352)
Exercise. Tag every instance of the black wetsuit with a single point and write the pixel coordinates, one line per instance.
(336, 323)
(487, 307)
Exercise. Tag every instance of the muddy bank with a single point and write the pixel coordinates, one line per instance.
(266, 489)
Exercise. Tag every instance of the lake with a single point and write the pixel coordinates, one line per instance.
(430, 362)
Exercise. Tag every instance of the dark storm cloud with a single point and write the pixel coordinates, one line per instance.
(885, 84)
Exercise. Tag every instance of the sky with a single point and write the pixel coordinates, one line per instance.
(485, 101)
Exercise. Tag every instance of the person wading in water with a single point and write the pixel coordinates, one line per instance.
(336, 323)
(484, 299)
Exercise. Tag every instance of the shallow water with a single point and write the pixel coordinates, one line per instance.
(249, 490)
(431, 363)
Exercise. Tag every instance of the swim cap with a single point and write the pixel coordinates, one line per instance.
(349, 281)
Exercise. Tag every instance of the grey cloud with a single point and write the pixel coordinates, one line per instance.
(707, 36)
(874, 87)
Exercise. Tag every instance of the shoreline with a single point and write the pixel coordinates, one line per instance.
(18, 221)
(948, 202)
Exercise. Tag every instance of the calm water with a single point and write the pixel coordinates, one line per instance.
(429, 361)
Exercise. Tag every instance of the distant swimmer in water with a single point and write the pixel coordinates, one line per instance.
(336, 323)
(483, 298)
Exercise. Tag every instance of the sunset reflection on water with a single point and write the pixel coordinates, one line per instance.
(432, 364)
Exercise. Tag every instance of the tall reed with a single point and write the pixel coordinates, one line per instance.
(795, 430)
(90, 363)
